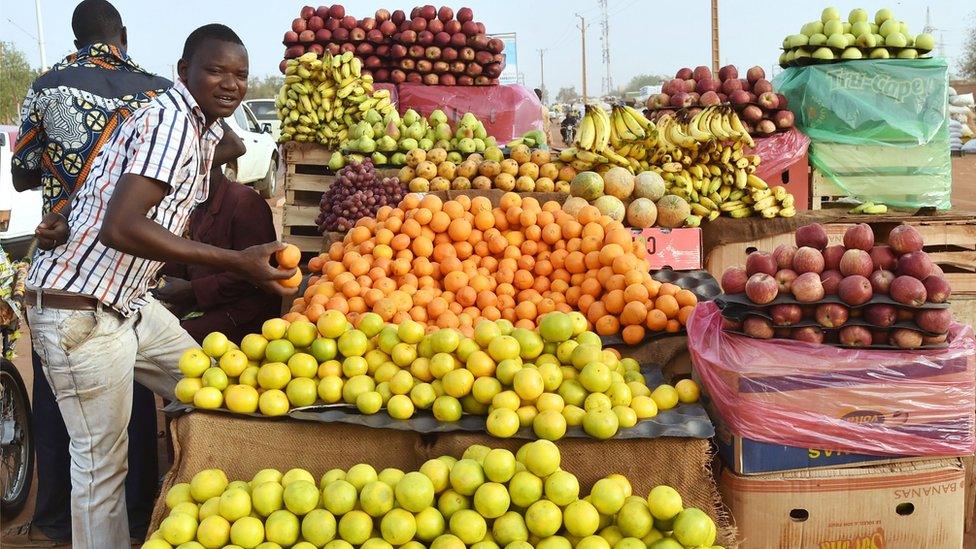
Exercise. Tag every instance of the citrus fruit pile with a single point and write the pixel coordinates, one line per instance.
(550, 378)
(488, 499)
(449, 263)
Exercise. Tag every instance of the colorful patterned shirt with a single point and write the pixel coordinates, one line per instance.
(71, 111)
(169, 141)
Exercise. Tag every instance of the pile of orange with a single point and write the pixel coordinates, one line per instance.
(449, 264)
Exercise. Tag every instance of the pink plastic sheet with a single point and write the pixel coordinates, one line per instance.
(779, 151)
(817, 396)
(506, 111)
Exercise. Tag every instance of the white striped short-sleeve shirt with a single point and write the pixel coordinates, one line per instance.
(169, 141)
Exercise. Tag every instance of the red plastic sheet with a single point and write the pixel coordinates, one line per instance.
(817, 396)
(779, 151)
(506, 111)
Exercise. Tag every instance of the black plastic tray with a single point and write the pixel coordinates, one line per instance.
(788, 299)
(685, 420)
(739, 313)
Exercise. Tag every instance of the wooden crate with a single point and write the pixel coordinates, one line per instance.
(824, 192)
(307, 176)
(950, 241)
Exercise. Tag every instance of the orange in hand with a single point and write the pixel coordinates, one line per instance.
(289, 256)
(294, 281)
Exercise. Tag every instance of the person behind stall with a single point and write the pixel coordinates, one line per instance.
(92, 316)
(68, 115)
(212, 299)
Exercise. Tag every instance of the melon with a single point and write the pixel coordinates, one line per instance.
(574, 204)
(649, 185)
(618, 182)
(588, 185)
(672, 211)
(610, 206)
(641, 213)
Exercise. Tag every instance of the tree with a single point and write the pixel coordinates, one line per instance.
(566, 95)
(967, 65)
(264, 88)
(16, 76)
(641, 80)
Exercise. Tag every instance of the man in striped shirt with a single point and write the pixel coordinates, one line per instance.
(92, 317)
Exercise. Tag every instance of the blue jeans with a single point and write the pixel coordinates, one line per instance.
(52, 505)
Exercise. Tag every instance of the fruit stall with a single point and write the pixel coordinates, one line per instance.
(720, 319)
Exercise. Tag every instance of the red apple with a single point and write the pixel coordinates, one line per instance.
(855, 336)
(375, 36)
(294, 51)
(937, 289)
(855, 290)
(415, 78)
(307, 12)
(904, 338)
(367, 24)
(904, 239)
(783, 119)
(382, 15)
(784, 278)
(449, 54)
(684, 73)
(808, 334)
(418, 24)
(457, 67)
(881, 314)
(908, 290)
(433, 53)
(398, 50)
(755, 74)
(758, 327)
(340, 34)
(459, 40)
(734, 280)
(425, 38)
(424, 66)
(762, 86)
(416, 51)
(813, 235)
(701, 72)
(915, 264)
(808, 260)
(786, 314)
(465, 80)
(306, 37)
(299, 25)
(761, 288)
(830, 280)
(447, 80)
(768, 100)
(290, 38)
(883, 257)
(807, 288)
(435, 26)
(831, 315)
(935, 321)
(315, 23)
(856, 261)
(881, 281)
(357, 35)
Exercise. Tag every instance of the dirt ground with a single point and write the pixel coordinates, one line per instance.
(963, 198)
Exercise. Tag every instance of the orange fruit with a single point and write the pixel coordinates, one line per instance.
(686, 298)
(633, 334)
(668, 305)
(293, 281)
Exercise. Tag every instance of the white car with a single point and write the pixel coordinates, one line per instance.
(264, 110)
(259, 165)
(20, 213)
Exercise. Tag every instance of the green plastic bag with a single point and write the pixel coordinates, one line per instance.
(864, 102)
(878, 128)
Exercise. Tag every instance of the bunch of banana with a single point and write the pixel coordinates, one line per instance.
(718, 123)
(323, 97)
(621, 138)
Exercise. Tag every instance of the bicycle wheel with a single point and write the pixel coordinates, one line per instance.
(16, 441)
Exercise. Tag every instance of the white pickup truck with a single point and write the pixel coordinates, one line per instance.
(19, 212)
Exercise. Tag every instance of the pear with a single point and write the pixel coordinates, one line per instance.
(494, 153)
(469, 119)
(479, 131)
(410, 117)
(414, 131)
(379, 159)
(408, 144)
(479, 145)
(355, 158)
(455, 157)
(442, 144)
(490, 141)
(464, 132)
(386, 144)
(373, 116)
(437, 117)
(392, 130)
(426, 144)
(336, 161)
(398, 159)
(442, 131)
(366, 145)
(466, 145)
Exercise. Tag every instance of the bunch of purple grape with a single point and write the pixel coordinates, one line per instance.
(356, 193)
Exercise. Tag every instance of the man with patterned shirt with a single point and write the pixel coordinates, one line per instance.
(92, 317)
(68, 115)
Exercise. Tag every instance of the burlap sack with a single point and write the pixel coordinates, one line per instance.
(683, 463)
(243, 446)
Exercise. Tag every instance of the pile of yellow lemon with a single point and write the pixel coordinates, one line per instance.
(488, 499)
(549, 378)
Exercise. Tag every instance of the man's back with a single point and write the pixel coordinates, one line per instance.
(72, 110)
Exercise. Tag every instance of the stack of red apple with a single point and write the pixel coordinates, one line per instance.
(432, 46)
(857, 294)
(761, 110)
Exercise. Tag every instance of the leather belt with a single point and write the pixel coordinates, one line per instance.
(70, 302)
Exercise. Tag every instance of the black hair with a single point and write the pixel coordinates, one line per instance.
(96, 21)
(213, 31)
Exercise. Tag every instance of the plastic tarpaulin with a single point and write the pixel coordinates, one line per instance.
(779, 151)
(878, 127)
(506, 111)
(817, 396)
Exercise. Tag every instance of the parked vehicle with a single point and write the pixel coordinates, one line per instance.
(20, 213)
(259, 165)
(264, 110)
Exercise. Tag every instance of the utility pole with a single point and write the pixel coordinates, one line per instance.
(715, 37)
(40, 35)
(605, 43)
(542, 74)
(582, 28)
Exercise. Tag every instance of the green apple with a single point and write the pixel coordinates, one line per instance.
(823, 54)
(837, 41)
(829, 14)
(817, 39)
(833, 26)
(882, 15)
(866, 41)
(879, 53)
(846, 26)
(860, 28)
(888, 27)
(858, 15)
(811, 28)
(851, 53)
(896, 40)
(925, 42)
(908, 53)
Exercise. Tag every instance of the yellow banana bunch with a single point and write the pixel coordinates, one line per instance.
(322, 98)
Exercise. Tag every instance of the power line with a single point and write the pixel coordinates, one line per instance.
(605, 46)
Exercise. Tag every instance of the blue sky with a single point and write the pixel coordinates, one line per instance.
(647, 36)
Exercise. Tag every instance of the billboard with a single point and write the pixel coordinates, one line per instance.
(510, 73)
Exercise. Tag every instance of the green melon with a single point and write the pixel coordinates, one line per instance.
(672, 211)
(588, 185)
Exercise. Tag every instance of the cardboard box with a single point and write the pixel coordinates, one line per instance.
(679, 249)
(746, 456)
(911, 505)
